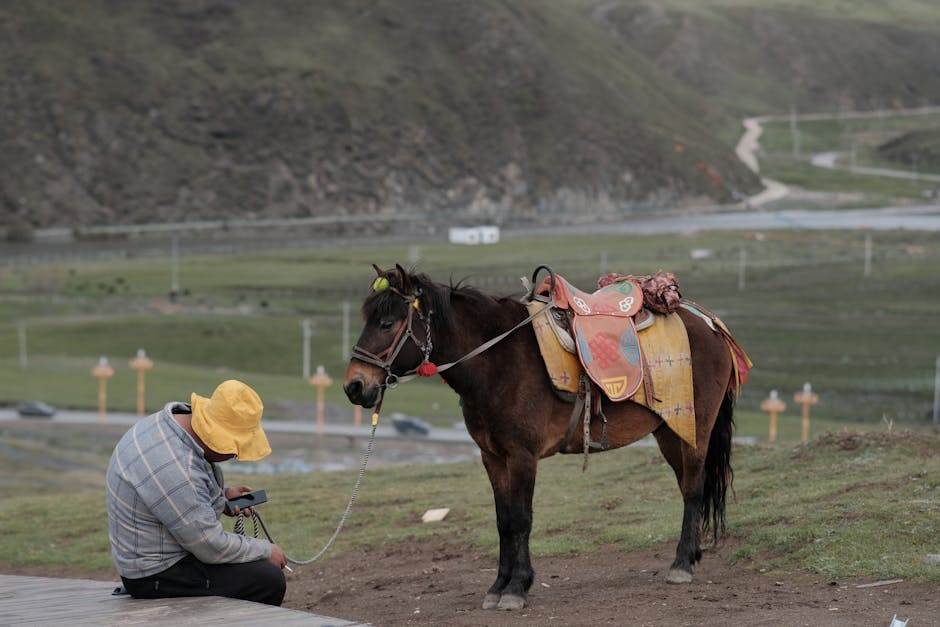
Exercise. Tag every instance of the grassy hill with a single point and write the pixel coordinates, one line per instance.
(147, 112)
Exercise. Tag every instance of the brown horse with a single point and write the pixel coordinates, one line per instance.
(516, 419)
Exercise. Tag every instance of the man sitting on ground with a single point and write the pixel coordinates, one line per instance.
(166, 494)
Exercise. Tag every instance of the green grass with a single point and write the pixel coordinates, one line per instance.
(861, 190)
(844, 505)
(841, 134)
(807, 313)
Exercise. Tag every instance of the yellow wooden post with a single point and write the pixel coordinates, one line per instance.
(321, 381)
(103, 371)
(773, 405)
(806, 398)
(141, 364)
(357, 415)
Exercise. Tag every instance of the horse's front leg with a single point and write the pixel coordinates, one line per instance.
(513, 481)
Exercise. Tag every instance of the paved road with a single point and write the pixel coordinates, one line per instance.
(830, 161)
(436, 435)
(915, 218)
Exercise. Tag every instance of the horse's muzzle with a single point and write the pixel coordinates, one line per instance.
(360, 393)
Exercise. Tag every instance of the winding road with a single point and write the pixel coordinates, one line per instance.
(749, 145)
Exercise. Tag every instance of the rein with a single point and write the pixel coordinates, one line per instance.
(257, 522)
(426, 368)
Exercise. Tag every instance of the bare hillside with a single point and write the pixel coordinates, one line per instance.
(196, 109)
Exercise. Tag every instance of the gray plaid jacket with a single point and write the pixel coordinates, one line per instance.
(164, 502)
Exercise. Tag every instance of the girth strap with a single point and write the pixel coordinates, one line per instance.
(584, 408)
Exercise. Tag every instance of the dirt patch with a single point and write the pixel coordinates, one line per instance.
(434, 583)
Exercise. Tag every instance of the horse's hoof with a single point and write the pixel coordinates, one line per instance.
(678, 576)
(490, 601)
(511, 602)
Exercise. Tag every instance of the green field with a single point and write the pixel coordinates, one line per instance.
(785, 156)
(806, 313)
(845, 505)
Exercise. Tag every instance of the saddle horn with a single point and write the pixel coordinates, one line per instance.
(535, 283)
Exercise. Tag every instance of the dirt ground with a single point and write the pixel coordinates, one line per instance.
(432, 583)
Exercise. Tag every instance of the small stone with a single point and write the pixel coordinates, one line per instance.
(932, 558)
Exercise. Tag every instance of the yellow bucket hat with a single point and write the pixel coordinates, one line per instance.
(230, 421)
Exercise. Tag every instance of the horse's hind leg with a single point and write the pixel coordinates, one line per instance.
(513, 481)
(688, 469)
(704, 475)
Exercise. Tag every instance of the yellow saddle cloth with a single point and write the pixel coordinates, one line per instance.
(664, 346)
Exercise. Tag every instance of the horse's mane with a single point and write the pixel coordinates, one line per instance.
(436, 297)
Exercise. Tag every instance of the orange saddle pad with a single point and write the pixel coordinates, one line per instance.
(610, 352)
(604, 333)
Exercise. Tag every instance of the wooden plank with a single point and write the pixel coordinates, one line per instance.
(51, 601)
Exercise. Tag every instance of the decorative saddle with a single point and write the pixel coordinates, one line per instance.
(603, 329)
(627, 338)
(623, 338)
(600, 328)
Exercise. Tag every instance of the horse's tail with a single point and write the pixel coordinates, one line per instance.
(718, 472)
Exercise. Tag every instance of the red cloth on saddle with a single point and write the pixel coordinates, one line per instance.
(604, 333)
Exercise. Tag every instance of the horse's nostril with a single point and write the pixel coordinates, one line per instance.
(353, 390)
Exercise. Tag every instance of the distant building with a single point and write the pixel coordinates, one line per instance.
(473, 235)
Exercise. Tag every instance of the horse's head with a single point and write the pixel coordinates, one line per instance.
(396, 338)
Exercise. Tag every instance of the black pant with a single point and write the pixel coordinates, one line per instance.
(259, 581)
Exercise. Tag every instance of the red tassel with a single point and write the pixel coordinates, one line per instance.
(427, 369)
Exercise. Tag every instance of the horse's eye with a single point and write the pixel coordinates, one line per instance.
(386, 323)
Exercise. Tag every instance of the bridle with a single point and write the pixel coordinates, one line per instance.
(386, 358)
(405, 332)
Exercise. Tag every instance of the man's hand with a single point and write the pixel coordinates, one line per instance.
(234, 493)
(278, 557)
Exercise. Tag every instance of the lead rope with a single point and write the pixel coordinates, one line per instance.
(256, 520)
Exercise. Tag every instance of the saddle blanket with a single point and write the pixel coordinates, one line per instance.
(669, 362)
(663, 345)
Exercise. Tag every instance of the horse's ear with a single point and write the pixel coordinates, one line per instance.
(378, 270)
(405, 279)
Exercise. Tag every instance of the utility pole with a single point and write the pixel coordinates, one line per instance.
(345, 330)
(307, 334)
(794, 133)
(936, 398)
(174, 268)
(868, 255)
(24, 358)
